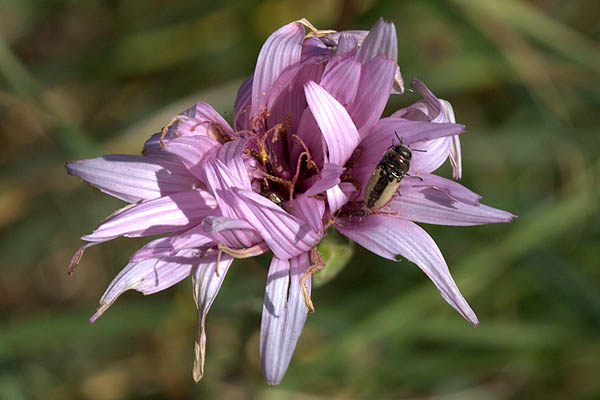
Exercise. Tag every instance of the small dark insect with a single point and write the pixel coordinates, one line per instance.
(388, 174)
(275, 198)
(267, 192)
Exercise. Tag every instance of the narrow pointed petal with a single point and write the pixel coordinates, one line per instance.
(435, 153)
(156, 248)
(286, 99)
(241, 113)
(310, 133)
(392, 237)
(133, 178)
(283, 316)
(282, 49)
(438, 112)
(455, 153)
(148, 276)
(226, 170)
(310, 210)
(286, 235)
(432, 206)
(235, 233)
(192, 238)
(398, 86)
(381, 41)
(430, 108)
(342, 80)
(166, 214)
(337, 127)
(452, 189)
(347, 43)
(330, 176)
(337, 196)
(374, 89)
(207, 279)
(191, 151)
(231, 154)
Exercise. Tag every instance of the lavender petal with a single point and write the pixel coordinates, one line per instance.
(133, 178)
(282, 49)
(165, 214)
(283, 316)
(392, 237)
(336, 125)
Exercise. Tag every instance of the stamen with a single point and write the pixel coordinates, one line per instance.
(239, 253)
(309, 162)
(221, 134)
(314, 31)
(317, 264)
(296, 175)
(165, 130)
(277, 179)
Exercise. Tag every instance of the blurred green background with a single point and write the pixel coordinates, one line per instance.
(83, 78)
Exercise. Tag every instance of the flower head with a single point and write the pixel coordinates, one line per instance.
(307, 136)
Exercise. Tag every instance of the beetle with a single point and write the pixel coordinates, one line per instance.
(388, 174)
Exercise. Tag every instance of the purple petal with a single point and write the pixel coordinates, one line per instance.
(433, 206)
(314, 47)
(198, 120)
(207, 282)
(358, 35)
(398, 86)
(410, 131)
(283, 316)
(286, 101)
(335, 123)
(455, 153)
(192, 238)
(157, 248)
(133, 178)
(286, 235)
(148, 276)
(241, 119)
(191, 151)
(310, 133)
(381, 41)
(339, 195)
(330, 176)
(232, 154)
(347, 44)
(342, 80)
(225, 170)
(437, 111)
(383, 134)
(376, 80)
(429, 109)
(235, 233)
(310, 210)
(166, 214)
(282, 49)
(392, 237)
(451, 188)
(435, 153)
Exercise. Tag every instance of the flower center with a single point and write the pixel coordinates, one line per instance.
(283, 162)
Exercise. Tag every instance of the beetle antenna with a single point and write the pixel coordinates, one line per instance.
(401, 140)
(414, 176)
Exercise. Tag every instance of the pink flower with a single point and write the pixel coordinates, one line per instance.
(308, 135)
